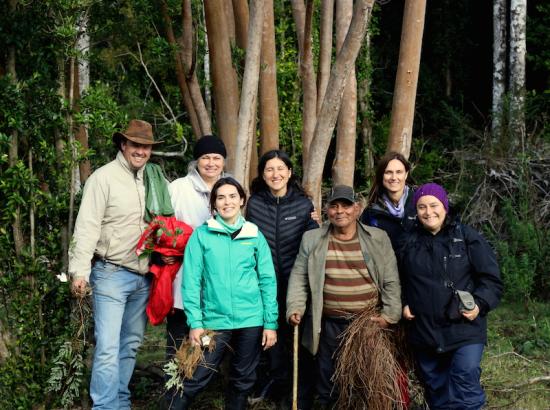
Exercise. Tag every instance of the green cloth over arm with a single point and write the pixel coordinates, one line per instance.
(157, 197)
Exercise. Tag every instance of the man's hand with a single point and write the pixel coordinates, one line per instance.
(295, 319)
(407, 313)
(472, 314)
(168, 260)
(195, 336)
(315, 216)
(269, 338)
(80, 287)
(383, 323)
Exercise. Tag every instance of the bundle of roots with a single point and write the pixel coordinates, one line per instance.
(186, 360)
(368, 374)
(188, 357)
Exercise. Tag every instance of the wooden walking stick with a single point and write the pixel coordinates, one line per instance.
(295, 370)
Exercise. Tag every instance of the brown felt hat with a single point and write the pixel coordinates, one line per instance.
(138, 131)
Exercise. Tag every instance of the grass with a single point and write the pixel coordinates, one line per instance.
(518, 352)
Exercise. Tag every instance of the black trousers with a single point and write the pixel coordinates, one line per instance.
(246, 345)
(329, 342)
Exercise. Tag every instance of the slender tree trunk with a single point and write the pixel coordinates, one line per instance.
(75, 174)
(325, 50)
(518, 17)
(406, 81)
(207, 92)
(231, 21)
(363, 96)
(185, 66)
(269, 104)
(499, 67)
(81, 85)
(60, 144)
(247, 118)
(344, 64)
(299, 15)
(309, 86)
(186, 43)
(180, 73)
(13, 152)
(344, 162)
(224, 76)
(240, 11)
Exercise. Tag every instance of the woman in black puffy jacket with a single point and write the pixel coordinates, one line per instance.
(390, 206)
(441, 257)
(283, 212)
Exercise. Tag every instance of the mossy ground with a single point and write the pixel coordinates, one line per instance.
(518, 351)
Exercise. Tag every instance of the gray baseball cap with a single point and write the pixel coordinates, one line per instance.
(343, 192)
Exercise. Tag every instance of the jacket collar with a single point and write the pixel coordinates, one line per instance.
(249, 230)
(124, 164)
(270, 198)
(196, 179)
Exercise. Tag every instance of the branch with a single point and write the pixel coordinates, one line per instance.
(154, 83)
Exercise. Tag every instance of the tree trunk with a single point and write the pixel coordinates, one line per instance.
(499, 68)
(299, 16)
(81, 85)
(518, 16)
(240, 11)
(344, 162)
(247, 119)
(224, 77)
(186, 43)
(309, 86)
(344, 64)
(180, 72)
(406, 81)
(269, 104)
(231, 23)
(363, 93)
(325, 49)
(13, 151)
(185, 68)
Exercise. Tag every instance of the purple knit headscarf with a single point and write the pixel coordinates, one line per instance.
(432, 189)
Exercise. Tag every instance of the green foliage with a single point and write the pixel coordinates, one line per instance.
(517, 263)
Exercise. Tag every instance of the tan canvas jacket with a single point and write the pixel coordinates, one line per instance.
(308, 278)
(110, 219)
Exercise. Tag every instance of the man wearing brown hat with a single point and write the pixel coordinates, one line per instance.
(102, 258)
(341, 269)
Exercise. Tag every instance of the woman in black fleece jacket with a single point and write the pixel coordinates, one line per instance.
(283, 212)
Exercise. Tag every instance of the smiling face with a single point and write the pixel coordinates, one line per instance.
(394, 178)
(228, 203)
(276, 175)
(135, 154)
(431, 213)
(210, 167)
(342, 214)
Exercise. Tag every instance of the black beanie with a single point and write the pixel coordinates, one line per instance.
(209, 144)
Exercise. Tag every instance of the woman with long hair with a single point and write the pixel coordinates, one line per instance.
(450, 280)
(229, 287)
(283, 212)
(389, 205)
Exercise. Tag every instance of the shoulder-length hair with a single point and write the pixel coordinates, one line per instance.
(259, 185)
(225, 181)
(377, 188)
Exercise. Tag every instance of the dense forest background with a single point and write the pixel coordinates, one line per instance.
(498, 181)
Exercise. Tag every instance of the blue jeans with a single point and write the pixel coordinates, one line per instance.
(119, 298)
(451, 379)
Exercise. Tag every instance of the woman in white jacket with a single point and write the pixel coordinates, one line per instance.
(191, 202)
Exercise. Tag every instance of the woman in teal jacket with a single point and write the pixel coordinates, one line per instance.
(229, 286)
